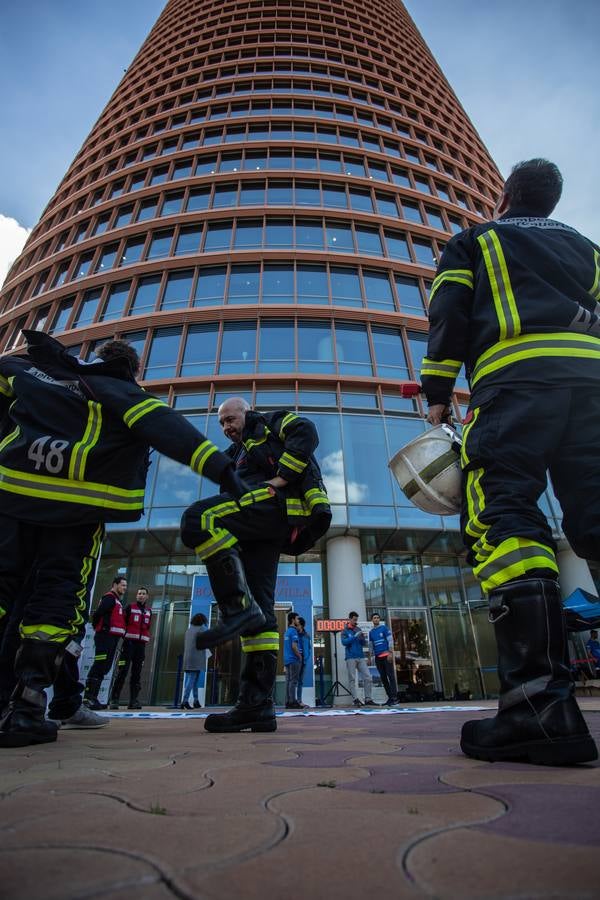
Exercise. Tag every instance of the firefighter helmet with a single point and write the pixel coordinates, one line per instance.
(428, 471)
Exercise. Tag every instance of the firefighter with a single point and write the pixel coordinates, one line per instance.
(74, 456)
(240, 541)
(516, 300)
(109, 626)
(138, 616)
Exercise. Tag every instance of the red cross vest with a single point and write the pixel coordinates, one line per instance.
(138, 623)
(116, 623)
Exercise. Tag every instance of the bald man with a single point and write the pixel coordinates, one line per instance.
(240, 542)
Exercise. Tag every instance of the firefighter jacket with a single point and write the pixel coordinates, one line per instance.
(76, 446)
(282, 443)
(109, 618)
(517, 301)
(137, 622)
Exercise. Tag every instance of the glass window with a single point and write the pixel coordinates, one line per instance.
(200, 350)
(386, 205)
(309, 234)
(160, 244)
(339, 237)
(456, 226)
(210, 287)
(164, 350)
(326, 135)
(397, 247)
(87, 309)
(254, 161)
(147, 209)
(330, 162)
(280, 159)
(207, 165)
(422, 184)
(345, 286)
(352, 349)
(107, 258)
(62, 316)
(218, 236)
(275, 399)
(366, 461)
(137, 339)
(308, 193)
(159, 176)
(61, 274)
(115, 302)
(243, 284)
(317, 398)
(124, 216)
(424, 252)
(389, 353)
(248, 234)
(378, 170)
(435, 219)
(83, 266)
(276, 352)
(137, 181)
(315, 347)
(134, 247)
(238, 349)
(368, 240)
(252, 193)
(225, 195)
(182, 169)
(349, 139)
(361, 200)
(409, 295)
(146, 295)
(173, 203)
(279, 233)
(278, 283)
(281, 132)
(100, 227)
(400, 176)
(335, 195)
(305, 161)
(199, 199)
(178, 289)
(378, 290)
(354, 166)
(351, 400)
(279, 193)
(417, 342)
(311, 284)
(443, 193)
(411, 212)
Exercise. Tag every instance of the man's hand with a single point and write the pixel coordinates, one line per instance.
(231, 483)
(277, 482)
(439, 413)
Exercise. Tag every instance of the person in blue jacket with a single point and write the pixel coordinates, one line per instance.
(292, 661)
(379, 639)
(354, 641)
(305, 646)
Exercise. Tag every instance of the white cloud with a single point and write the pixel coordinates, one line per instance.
(12, 241)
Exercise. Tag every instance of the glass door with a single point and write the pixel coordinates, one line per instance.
(413, 655)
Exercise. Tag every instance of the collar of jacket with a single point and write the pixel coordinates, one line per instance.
(41, 346)
(520, 212)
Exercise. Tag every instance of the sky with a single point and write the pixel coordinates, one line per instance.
(526, 72)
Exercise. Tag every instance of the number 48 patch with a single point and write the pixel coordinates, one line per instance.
(47, 453)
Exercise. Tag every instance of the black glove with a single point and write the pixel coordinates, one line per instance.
(231, 483)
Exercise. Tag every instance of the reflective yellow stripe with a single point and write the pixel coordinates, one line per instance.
(101, 656)
(267, 640)
(287, 420)
(296, 507)
(464, 459)
(315, 497)
(533, 346)
(291, 462)
(255, 496)
(201, 455)
(6, 387)
(250, 443)
(81, 449)
(134, 413)
(46, 633)
(220, 539)
(87, 569)
(595, 288)
(10, 438)
(207, 518)
(514, 558)
(460, 276)
(504, 299)
(444, 368)
(69, 491)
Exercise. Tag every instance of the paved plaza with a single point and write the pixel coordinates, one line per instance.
(330, 806)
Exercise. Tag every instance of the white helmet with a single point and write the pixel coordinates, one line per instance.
(428, 471)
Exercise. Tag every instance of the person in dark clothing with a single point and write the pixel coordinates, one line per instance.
(74, 455)
(137, 616)
(517, 301)
(240, 542)
(379, 642)
(109, 626)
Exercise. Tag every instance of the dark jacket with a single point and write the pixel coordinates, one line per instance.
(78, 437)
(282, 443)
(516, 301)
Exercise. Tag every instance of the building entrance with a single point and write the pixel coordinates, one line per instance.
(413, 654)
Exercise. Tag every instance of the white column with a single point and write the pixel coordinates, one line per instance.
(574, 571)
(346, 594)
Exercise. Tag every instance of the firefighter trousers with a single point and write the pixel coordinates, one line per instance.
(105, 647)
(510, 443)
(258, 529)
(133, 654)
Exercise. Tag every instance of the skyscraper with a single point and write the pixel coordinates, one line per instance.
(259, 209)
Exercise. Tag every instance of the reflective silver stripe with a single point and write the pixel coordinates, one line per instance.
(523, 692)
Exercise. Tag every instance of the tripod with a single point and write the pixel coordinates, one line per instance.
(335, 687)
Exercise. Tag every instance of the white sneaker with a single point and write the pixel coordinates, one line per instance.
(85, 718)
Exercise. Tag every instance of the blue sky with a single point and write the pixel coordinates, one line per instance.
(526, 71)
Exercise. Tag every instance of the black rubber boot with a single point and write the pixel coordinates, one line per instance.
(239, 611)
(134, 703)
(116, 692)
(254, 709)
(36, 666)
(90, 697)
(538, 718)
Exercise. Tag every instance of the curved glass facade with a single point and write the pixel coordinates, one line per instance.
(259, 210)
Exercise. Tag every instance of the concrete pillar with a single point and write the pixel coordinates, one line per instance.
(346, 593)
(574, 572)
